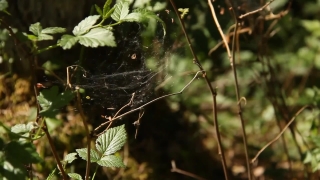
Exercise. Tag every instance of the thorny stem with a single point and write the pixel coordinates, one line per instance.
(212, 91)
(85, 124)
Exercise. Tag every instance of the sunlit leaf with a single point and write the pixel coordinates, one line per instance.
(35, 28)
(98, 37)
(53, 30)
(112, 140)
(121, 11)
(94, 155)
(75, 176)
(67, 41)
(85, 25)
(111, 161)
(70, 157)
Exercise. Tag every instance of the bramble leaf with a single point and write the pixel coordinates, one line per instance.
(3, 5)
(67, 41)
(111, 141)
(143, 16)
(75, 176)
(51, 100)
(111, 161)
(85, 25)
(53, 30)
(94, 155)
(106, 7)
(98, 37)
(35, 28)
(98, 9)
(121, 11)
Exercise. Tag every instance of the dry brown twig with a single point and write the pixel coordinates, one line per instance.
(186, 173)
(280, 134)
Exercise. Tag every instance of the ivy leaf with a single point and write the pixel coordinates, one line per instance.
(67, 41)
(94, 155)
(98, 37)
(121, 11)
(85, 25)
(75, 176)
(111, 141)
(3, 5)
(111, 161)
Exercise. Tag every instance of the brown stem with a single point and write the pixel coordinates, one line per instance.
(54, 152)
(85, 124)
(212, 91)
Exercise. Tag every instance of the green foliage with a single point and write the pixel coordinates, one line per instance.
(106, 145)
(51, 100)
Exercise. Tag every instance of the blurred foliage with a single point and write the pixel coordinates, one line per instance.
(278, 67)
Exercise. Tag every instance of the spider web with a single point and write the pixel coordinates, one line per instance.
(111, 76)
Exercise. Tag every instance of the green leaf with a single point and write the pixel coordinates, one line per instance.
(21, 153)
(51, 100)
(121, 11)
(94, 155)
(23, 128)
(112, 140)
(43, 34)
(35, 28)
(143, 16)
(70, 157)
(98, 9)
(42, 37)
(111, 161)
(312, 26)
(67, 41)
(75, 176)
(98, 37)
(106, 7)
(184, 11)
(3, 5)
(108, 14)
(53, 30)
(85, 25)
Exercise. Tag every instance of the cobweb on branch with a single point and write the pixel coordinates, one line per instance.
(137, 65)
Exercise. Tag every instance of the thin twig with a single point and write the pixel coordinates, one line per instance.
(280, 134)
(54, 152)
(232, 64)
(85, 124)
(177, 170)
(255, 11)
(154, 100)
(212, 91)
(137, 122)
(111, 119)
